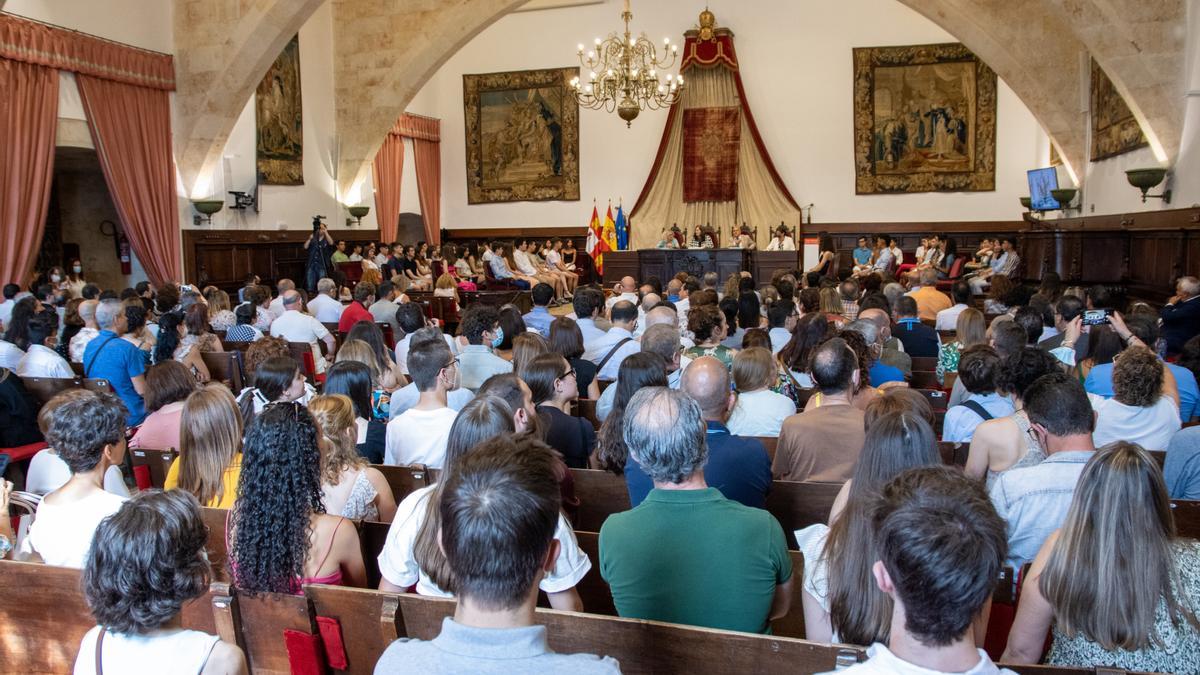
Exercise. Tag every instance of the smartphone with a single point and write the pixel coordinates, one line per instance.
(1096, 317)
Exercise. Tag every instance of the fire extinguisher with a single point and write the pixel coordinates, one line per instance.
(124, 253)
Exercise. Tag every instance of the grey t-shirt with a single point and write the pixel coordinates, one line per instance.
(463, 649)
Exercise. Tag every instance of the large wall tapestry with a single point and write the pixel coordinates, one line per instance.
(711, 139)
(280, 129)
(522, 136)
(924, 120)
(1114, 128)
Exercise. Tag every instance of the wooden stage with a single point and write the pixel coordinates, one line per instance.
(665, 263)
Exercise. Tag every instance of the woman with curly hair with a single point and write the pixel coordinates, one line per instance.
(280, 537)
(136, 331)
(412, 554)
(708, 326)
(1144, 408)
(349, 486)
(146, 562)
(171, 345)
(640, 369)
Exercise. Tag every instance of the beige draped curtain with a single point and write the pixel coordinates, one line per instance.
(760, 202)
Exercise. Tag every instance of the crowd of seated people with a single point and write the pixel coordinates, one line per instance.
(705, 393)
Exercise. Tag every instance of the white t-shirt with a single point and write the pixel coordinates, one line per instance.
(401, 350)
(294, 326)
(881, 660)
(48, 472)
(41, 361)
(398, 563)
(10, 355)
(1150, 427)
(524, 265)
(183, 652)
(760, 413)
(325, 308)
(62, 533)
(407, 396)
(419, 437)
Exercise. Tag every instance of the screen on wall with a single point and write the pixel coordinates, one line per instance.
(1041, 182)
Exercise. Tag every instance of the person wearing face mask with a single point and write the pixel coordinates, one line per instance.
(481, 327)
(40, 359)
(420, 434)
(74, 282)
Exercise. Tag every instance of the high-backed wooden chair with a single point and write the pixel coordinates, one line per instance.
(45, 388)
(404, 479)
(157, 463)
(370, 621)
(257, 624)
(226, 368)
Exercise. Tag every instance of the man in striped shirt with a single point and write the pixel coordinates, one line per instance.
(1006, 263)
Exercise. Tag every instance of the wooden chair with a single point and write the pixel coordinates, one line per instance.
(302, 353)
(98, 385)
(797, 505)
(156, 462)
(601, 494)
(947, 336)
(45, 388)
(370, 621)
(258, 623)
(404, 480)
(926, 364)
(226, 368)
(924, 380)
(954, 454)
(937, 398)
(586, 408)
(372, 537)
(218, 545)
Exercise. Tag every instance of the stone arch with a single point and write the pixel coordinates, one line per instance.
(383, 56)
(222, 49)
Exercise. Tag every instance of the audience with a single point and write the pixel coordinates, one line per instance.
(387, 374)
(947, 319)
(782, 319)
(1144, 330)
(324, 306)
(349, 486)
(413, 555)
(553, 387)
(676, 557)
(566, 338)
(407, 396)
(1144, 408)
(539, 318)
(759, 411)
(618, 343)
(293, 325)
(707, 325)
(940, 545)
(172, 344)
(499, 536)
(88, 433)
(1114, 582)
(353, 380)
(809, 332)
(1034, 499)
(1181, 314)
(435, 371)
(168, 385)
(209, 464)
(40, 359)
(823, 444)
(918, 339)
(280, 537)
(930, 301)
(79, 342)
(147, 561)
(660, 339)
(278, 379)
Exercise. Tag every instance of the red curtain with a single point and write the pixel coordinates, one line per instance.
(428, 158)
(386, 173)
(28, 120)
(131, 128)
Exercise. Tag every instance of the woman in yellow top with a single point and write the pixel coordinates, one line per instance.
(210, 448)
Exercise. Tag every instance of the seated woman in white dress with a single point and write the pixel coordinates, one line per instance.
(147, 562)
(349, 486)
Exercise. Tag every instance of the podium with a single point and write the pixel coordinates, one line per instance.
(665, 263)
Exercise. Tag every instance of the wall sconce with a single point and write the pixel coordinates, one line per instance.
(356, 214)
(205, 208)
(1144, 179)
(1064, 197)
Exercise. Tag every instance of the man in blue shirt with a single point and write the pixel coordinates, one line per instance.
(880, 372)
(539, 317)
(737, 466)
(862, 254)
(1099, 379)
(918, 339)
(112, 358)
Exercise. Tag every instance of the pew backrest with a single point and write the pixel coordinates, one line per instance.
(157, 462)
(226, 368)
(601, 494)
(256, 623)
(404, 480)
(45, 388)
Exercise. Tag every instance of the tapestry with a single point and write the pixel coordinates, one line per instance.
(711, 138)
(522, 133)
(1114, 128)
(924, 120)
(279, 122)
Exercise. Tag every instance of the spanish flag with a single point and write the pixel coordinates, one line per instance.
(596, 245)
(610, 230)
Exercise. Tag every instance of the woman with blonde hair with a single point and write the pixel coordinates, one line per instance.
(1116, 584)
(968, 331)
(209, 464)
(525, 348)
(831, 304)
(381, 374)
(758, 411)
(220, 316)
(349, 486)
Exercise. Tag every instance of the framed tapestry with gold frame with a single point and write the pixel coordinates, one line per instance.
(522, 136)
(279, 120)
(924, 120)
(1115, 130)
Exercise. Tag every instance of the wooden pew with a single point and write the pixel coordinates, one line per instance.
(372, 536)
(235, 346)
(98, 385)
(302, 353)
(45, 388)
(256, 624)
(218, 547)
(601, 494)
(954, 454)
(226, 368)
(370, 621)
(593, 590)
(157, 462)
(922, 379)
(797, 505)
(586, 408)
(404, 480)
(938, 399)
(927, 364)
(1187, 517)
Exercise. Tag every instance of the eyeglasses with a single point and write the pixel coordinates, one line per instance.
(567, 374)
(453, 362)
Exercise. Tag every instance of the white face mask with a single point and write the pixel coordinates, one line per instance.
(55, 278)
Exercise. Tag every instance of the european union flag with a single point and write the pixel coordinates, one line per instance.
(622, 230)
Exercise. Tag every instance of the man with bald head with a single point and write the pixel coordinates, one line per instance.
(649, 301)
(823, 443)
(79, 343)
(667, 316)
(738, 466)
(688, 554)
(626, 290)
(282, 287)
(296, 326)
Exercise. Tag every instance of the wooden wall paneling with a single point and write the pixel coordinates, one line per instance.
(224, 257)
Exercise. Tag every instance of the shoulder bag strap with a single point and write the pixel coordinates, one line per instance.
(612, 352)
(975, 407)
(87, 367)
(99, 655)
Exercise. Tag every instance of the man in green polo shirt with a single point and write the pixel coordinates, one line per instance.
(339, 256)
(687, 554)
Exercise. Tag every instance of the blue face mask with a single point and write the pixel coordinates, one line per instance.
(498, 339)
(673, 298)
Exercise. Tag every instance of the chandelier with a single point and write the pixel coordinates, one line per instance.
(623, 75)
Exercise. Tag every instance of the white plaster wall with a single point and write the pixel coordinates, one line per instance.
(797, 70)
(141, 23)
